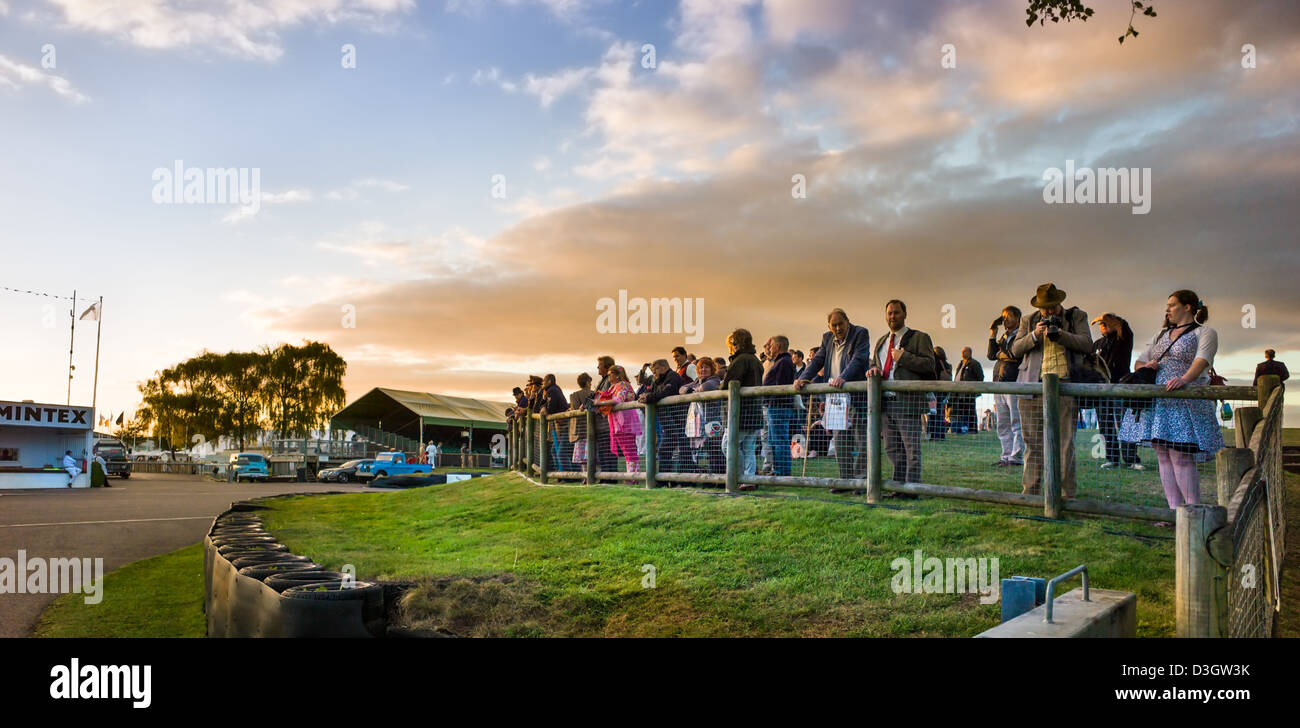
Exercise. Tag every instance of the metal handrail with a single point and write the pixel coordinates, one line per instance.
(1051, 588)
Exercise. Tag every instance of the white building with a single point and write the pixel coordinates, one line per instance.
(33, 439)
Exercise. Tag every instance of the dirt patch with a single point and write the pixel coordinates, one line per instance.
(486, 606)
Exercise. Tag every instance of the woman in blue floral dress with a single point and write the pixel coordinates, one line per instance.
(1183, 432)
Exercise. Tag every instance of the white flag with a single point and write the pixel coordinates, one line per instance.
(91, 313)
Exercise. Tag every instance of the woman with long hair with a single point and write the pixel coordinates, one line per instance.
(1183, 432)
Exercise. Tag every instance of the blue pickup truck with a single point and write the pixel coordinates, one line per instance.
(395, 463)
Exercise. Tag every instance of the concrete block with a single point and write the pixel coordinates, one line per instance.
(1110, 613)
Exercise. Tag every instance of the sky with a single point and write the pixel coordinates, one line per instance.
(447, 190)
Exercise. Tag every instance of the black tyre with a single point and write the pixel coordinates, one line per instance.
(226, 537)
(287, 579)
(381, 474)
(364, 591)
(261, 571)
(231, 556)
(251, 547)
(266, 558)
(126, 476)
(343, 478)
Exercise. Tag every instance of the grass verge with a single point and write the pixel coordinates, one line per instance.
(156, 597)
(576, 560)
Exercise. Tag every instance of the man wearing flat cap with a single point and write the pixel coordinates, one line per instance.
(1052, 340)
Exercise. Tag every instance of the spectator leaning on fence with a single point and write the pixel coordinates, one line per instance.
(779, 410)
(1183, 432)
(705, 438)
(606, 459)
(578, 425)
(1057, 349)
(554, 402)
(624, 425)
(1115, 347)
(673, 452)
(844, 356)
(968, 370)
(938, 422)
(1006, 367)
(746, 369)
(1270, 365)
(902, 354)
(682, 363)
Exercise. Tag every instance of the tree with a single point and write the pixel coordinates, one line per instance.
(1040, 11)
(302, 386)
(240, 381)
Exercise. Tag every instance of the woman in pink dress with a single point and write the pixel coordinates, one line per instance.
(624, 425)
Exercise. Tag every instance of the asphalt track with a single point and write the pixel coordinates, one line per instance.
(148, 515)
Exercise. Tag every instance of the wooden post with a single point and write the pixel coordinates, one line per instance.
(733, 436)
(530, 443)
(544, 449)
(1051, 478)
(1245, 420)
(1201, 583)
(592, 460)
(1265, 386)
(875, 476)
(651, 445)
(1230, 464)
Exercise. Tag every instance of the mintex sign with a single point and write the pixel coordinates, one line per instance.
(28, 414)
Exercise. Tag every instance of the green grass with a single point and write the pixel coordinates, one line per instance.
(725, 565)
(157, 597)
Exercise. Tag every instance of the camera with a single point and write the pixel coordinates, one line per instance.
(1054, 324)
(997, 322)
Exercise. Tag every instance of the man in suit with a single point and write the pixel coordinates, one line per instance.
(1007, 369)
(844, 356)
(1270, 366)
(1044, 351)
(968, 370)
(901, 355)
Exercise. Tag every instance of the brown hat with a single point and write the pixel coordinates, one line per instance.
(1048, 295)
(1106, 315)
(534, 379)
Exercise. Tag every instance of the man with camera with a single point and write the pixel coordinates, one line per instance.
(1006, 368)
(1052, 340)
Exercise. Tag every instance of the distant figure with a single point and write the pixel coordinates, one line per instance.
(71, 465)
(431, 453)
(464, 455)
(1270, 366)
(963, 405)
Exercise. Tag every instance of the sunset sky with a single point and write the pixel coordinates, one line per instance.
(923, 183)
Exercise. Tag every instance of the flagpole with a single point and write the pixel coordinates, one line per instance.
(99, 325)
(72, 339)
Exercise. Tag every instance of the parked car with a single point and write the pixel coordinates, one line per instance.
(343, 473)
(247, 466)
(395, 463)
(115, 455)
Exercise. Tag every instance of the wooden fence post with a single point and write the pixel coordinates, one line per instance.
(733, 436)
(1230, 464)
(1201, 582)
(592, 460)
(651, 445)
(544, 449)
(1051, 477)
(875, 476)
(1245, 420)
(530, 443)
(1265, 387)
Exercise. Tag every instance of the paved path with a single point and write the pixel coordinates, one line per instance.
(148, 515)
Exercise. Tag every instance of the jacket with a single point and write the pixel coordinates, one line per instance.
(1272, 366)
(745, 368)
(1007, 365)
(1075, 337)
(781, 371)
(578, 425)
(917, 361)
(855, 361)
(1116, 350)
(969, 371)
(666, 386)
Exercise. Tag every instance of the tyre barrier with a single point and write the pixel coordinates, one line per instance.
(257, 588)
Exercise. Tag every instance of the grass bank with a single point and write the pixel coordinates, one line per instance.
(576, 560)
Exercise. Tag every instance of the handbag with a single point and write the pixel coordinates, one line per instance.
(1144, 375)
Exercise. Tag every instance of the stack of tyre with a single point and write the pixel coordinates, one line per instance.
(240, 538)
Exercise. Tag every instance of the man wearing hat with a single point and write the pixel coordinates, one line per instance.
(1050, 349)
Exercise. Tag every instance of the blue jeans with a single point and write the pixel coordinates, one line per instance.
(778, 437)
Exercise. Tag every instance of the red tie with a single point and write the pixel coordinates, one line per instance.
(889, 359)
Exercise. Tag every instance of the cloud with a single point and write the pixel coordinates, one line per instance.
(492, 76)
(243, 28)
(549, 88)
(353, 190)
(17, 75)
